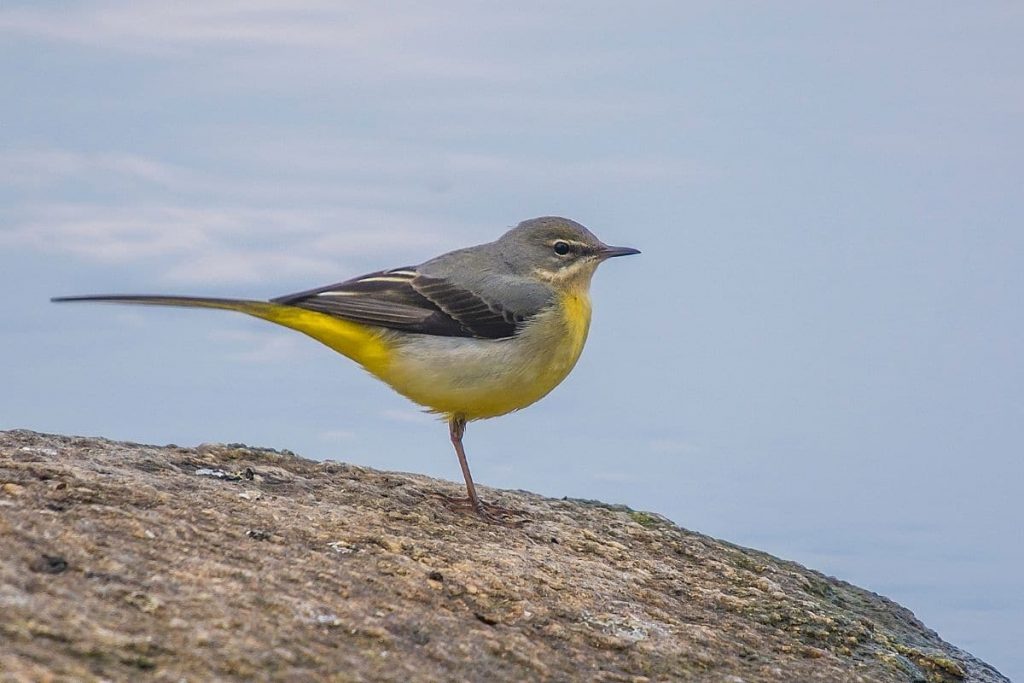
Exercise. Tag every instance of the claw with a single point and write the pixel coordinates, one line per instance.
(488, 512)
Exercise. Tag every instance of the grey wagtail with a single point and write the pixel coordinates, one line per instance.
(474, 333)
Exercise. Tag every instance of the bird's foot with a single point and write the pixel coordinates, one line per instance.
(489, 512)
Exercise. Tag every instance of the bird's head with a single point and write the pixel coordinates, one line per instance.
(557, 250)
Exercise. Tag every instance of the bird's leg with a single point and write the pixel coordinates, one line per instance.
(457, 428)
(488, 511)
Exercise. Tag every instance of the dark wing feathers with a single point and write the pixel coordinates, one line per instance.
(481, 318)
(404, 299)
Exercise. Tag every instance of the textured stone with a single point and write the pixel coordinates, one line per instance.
(121, 561)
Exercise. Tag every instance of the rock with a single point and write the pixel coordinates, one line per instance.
(228, 562)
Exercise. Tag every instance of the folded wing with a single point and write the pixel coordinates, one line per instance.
(404, 299)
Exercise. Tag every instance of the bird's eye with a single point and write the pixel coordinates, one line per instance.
(562, 248)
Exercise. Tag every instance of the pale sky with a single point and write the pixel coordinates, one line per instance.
(818, 353)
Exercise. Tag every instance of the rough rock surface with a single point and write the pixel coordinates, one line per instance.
(120, 561)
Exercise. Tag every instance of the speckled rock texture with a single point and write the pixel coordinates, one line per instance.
(120, 561)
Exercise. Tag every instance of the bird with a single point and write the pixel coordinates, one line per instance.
(471, 334)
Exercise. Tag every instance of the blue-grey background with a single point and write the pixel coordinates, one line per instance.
(818, 353)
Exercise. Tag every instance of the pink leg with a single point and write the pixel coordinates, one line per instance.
(457, 428)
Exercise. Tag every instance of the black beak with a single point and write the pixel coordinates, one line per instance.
(609, 252)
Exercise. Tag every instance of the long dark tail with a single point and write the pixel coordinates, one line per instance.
(242, 305)
(359, 342)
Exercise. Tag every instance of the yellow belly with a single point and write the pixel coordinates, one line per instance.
(481, 378)
(474, 378)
